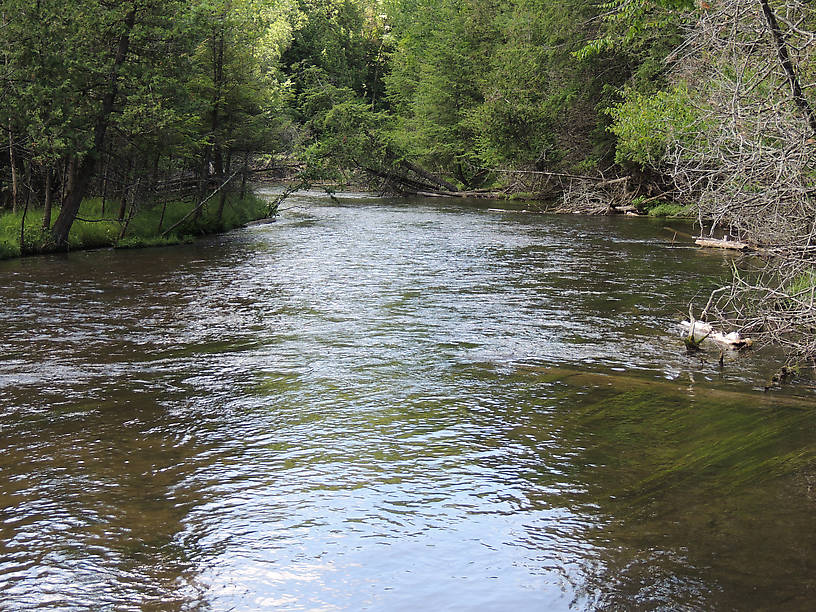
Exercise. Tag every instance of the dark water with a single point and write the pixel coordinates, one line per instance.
(389, 405)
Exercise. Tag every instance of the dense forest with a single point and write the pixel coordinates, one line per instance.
(164, 111)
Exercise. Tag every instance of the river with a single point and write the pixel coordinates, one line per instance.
(392, 405)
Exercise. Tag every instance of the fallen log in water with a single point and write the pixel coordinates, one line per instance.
(264, 221)
(725, 243)
(699, 331)
(477, 195)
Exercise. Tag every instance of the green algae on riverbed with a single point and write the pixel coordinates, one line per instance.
(685, 480)
(681, 434)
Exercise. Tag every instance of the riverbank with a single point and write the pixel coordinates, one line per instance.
(97, 225)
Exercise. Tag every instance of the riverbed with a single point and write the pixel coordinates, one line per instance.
(390, 404)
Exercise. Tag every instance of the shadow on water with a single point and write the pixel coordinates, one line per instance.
(381, 405)
(701, 497)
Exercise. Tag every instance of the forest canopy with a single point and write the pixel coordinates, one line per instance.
(131, 100)
(148, 99)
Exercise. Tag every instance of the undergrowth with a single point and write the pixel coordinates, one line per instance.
(662, 208)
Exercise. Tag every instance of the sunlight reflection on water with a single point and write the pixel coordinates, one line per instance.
(385, 405)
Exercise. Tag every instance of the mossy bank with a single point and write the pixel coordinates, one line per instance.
(96, 225)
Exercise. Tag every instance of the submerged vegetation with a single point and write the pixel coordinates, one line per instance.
(660, 107)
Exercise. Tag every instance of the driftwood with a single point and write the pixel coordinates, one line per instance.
(716, 243)
(700, 330)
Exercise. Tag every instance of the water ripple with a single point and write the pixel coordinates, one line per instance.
(371, 405)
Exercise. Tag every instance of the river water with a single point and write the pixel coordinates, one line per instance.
(382, 404)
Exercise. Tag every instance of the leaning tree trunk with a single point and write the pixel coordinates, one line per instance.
(87, 167)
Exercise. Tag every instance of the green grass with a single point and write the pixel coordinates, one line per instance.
(667, 209)
(802, 283)
(95, 229)
(662, 208)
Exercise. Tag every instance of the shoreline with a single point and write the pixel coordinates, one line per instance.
(93, 230)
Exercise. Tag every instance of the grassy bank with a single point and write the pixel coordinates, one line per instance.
(96, 228)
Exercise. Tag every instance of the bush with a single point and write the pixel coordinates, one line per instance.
(8, 249)
(667, 209)
(647, 125)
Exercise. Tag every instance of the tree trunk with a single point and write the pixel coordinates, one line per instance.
(218, 77)
(787, 65)
(429, 176)
(106, 162)
(223, 199)
(13, 163)
(244, 175)
(125, 191)
(28, 189)
(46, 224)
(64, 179)
(133, 205)
(204, 180)
(161, 219)
(22, 229)
(11, 139)
(73, 199)
(69, 176)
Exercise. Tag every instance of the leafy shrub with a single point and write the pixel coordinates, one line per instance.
(667, 209)
(647, 125)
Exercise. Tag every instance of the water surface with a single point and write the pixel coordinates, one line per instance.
(387, 405)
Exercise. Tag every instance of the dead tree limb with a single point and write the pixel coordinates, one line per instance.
(787, 65)
(429, 176)
(199, 206)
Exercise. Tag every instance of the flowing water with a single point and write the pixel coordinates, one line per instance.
(394, 405)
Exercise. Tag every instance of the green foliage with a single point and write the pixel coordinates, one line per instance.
(443, 52)
(668, 209)
(352, 136)
(478, 84)
(10, 235)
(803, 284)
(344, 41)
(645, 125)
(633, 25)
(550, 101)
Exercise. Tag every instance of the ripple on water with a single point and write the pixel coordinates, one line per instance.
(380, 405)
